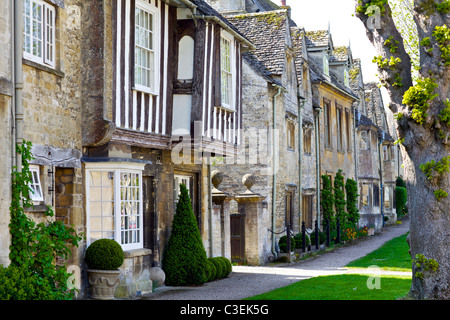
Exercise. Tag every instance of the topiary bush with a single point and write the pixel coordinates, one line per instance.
(322, 237)
(184, 260)
(282, 244)
(228, 266)
(210, 271)
(299, 241)
(220, 267)
(104, 254)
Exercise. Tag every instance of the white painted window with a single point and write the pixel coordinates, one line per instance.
(386, 153)
(364, 143)
(146, 47)
(326, 67)
(115, 203)
(365, 200)
(35, 184)
(346, 78)
(227, 70)
(387, 198)
(39, 32)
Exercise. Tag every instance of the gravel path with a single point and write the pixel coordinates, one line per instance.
(247, 281)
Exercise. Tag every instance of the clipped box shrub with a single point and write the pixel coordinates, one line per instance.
(104, 254)
(299, 241)
(220, 267)
(322, 237)
(282, 244)
(228, 266)
(210, 271)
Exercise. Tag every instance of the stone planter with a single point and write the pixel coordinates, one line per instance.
(103, 283)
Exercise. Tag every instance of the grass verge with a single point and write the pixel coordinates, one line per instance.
(392, 256)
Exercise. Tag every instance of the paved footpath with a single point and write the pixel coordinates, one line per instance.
(247, 281)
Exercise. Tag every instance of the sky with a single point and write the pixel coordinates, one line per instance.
(317, 14)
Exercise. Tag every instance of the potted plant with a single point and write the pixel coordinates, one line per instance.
(104, 257)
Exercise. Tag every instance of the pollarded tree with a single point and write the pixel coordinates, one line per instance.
(422, 112)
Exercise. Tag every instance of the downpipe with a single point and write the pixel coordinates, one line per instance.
(18, 83)
(274, 175)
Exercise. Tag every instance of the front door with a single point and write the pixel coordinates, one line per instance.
(237, 235)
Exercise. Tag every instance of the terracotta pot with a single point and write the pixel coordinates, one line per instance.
(103, 283)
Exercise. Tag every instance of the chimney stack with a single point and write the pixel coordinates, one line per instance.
(283, 3)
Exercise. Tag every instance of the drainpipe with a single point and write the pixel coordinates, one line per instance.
(301, 103)
(18, 80)
(210, 209)
(355, 154)
(274, 175)
(381, 179)
(316, 120)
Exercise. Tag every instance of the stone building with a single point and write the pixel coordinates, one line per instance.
(43, 64)
(271, 124)
(377, 156)
(333, 101)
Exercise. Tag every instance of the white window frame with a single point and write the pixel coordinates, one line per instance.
(365, 143)
(116, 169)
(35, 183)
(229, 73)
(326, 65)
(152, 71)
(346, 78)
(44, 37)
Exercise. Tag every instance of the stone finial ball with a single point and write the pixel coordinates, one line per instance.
(216, 178)
(248, 180)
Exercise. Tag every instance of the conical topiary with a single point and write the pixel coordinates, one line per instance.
(184, 260)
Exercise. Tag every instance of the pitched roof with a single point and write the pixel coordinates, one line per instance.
(266, 5)
(340, 53)
(267, 31)
(317, 75)
(259, 67)
(205, 9)
(297, 37)
(318, 38)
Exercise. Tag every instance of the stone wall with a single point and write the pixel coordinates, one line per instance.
(6, 92)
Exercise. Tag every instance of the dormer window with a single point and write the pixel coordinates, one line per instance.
(326, 67)
(346, 78)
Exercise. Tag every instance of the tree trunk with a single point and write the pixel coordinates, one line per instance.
(429, 218)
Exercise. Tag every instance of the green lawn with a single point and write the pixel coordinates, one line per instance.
(393, 255)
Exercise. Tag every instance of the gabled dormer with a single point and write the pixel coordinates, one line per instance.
(320, 48)
(341, 62)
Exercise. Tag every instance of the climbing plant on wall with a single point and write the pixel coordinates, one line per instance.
(35, 247)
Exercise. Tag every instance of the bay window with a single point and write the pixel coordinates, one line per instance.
(39, 32)
(114, 203)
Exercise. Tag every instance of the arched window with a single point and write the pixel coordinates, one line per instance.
(186, 58)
